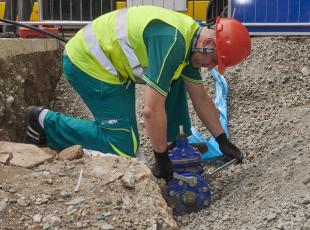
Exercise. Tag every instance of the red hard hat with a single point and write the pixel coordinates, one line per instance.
(233, 42)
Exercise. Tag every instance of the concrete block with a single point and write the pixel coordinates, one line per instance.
(24, 155)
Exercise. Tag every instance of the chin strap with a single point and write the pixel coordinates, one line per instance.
(195, 39)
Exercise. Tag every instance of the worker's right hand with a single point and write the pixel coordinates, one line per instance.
(162, 167)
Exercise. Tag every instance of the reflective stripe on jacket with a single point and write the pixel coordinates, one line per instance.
(111, 48)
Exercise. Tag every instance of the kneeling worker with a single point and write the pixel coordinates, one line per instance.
(159, 47)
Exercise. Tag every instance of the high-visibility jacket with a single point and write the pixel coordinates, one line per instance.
(111, 48)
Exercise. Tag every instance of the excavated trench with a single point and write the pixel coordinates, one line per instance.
(29, 72)
(269, 111)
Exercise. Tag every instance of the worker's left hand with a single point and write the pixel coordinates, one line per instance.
(228, 148)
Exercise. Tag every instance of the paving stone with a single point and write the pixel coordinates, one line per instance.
(24, 155)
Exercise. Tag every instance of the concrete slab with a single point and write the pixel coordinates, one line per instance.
(15, 46)
(24, 155)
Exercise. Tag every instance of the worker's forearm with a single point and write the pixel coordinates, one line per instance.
(156, 127)
(209, 115)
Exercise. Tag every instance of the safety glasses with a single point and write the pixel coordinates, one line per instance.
(204, 50)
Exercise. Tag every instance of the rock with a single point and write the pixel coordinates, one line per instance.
(37, 218)
(86, 224)
(280, 225)
(306, 180)
(53, 221)
(46, 226)
(305, 71)
(3, 205)
(79, 225)
(306, 201)
(24, 155)
(100, 216)
(5, 158)
(102, 167)
(271, 216)
(306, 226)
(49, 181)
(71, 210)
(50, 152)
(23, 202)
(12, 190)
(9, 101)
(12, 201)
(128, 179)
(35, 227)
(106, 226)
(76, 201)
(64, 194)
(41, 200)
(72, 153)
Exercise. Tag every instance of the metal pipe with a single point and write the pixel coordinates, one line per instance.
(70, 10)
(40, 2)
(288, 10)
(279, 33)
(60, 9)
(53, 22)
(81, 10)
(277, 11)
(52, 9)
(91, 9)
(34, 28)
(81, 16)
(229, 9)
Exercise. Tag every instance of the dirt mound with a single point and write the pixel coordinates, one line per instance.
(114, 193)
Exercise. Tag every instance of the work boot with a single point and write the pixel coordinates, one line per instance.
(34, 132)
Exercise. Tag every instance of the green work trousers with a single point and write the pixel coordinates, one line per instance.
(114, 129)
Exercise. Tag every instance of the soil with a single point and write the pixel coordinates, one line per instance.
(26, 79)
(269, 111)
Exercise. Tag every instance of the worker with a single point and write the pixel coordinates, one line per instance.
(146, 44)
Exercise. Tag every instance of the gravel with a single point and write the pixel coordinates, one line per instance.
(269, 119)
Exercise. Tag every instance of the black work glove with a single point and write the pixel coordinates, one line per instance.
(228, 148)
(163, 166)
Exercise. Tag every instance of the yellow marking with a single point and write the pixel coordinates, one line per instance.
(119, 152)
(135, 142)
(2, 8)
(196, 9)
(34, 14)
(120, 5)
